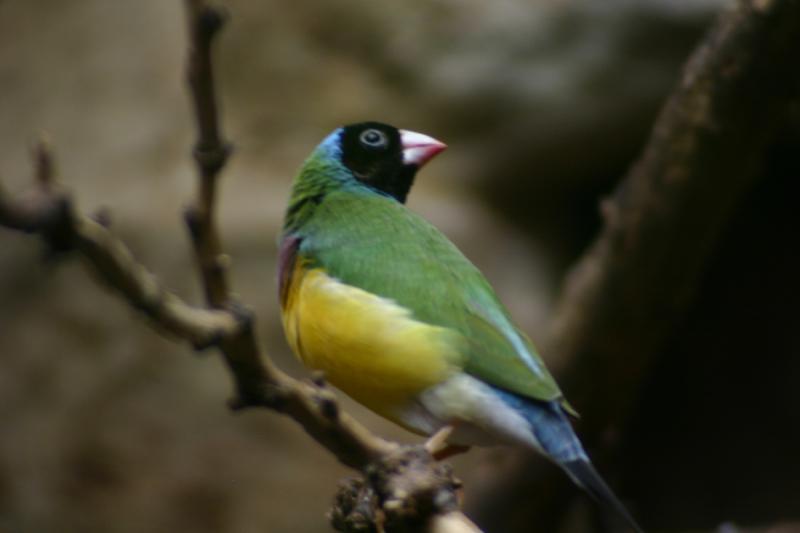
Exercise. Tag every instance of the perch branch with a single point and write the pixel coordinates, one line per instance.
(626, 294)
(411, 490)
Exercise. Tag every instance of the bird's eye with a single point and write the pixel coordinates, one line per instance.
(373, 138)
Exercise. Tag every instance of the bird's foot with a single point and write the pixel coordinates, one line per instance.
(449, 451)
(438, 446)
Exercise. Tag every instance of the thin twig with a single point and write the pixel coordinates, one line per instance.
(210, 151)
(43, 163)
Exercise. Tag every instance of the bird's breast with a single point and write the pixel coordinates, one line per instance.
(368, 346)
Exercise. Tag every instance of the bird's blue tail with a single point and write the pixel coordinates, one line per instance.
(585, 476)
(558, 441)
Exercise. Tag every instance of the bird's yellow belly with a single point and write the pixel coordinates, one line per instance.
(368, 346)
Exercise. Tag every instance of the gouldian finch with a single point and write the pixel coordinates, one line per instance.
(399, 319)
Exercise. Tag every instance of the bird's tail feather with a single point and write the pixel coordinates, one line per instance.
(583, 473)
(555, 437)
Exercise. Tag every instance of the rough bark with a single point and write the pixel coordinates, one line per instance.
(636, 282)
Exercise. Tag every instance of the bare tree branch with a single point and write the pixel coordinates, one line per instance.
(640, 276)
(633, 286)
(412, 491)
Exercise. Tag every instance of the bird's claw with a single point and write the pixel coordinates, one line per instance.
(438, 446)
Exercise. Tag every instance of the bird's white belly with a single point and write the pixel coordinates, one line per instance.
(479, 416)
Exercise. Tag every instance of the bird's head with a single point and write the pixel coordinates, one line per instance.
(381, 156)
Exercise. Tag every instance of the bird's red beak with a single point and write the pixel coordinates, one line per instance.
(418, 149)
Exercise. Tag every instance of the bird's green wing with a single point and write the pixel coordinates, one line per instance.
(376, 244)
(512, 361)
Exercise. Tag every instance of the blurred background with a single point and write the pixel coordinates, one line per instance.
(107, 427)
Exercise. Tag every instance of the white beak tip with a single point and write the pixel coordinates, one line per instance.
(419, 148)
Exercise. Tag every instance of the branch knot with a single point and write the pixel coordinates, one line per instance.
(403, 491)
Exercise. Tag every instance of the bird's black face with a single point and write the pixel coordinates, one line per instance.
(385, 158)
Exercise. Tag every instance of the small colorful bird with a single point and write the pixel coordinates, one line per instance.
(396, 317)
